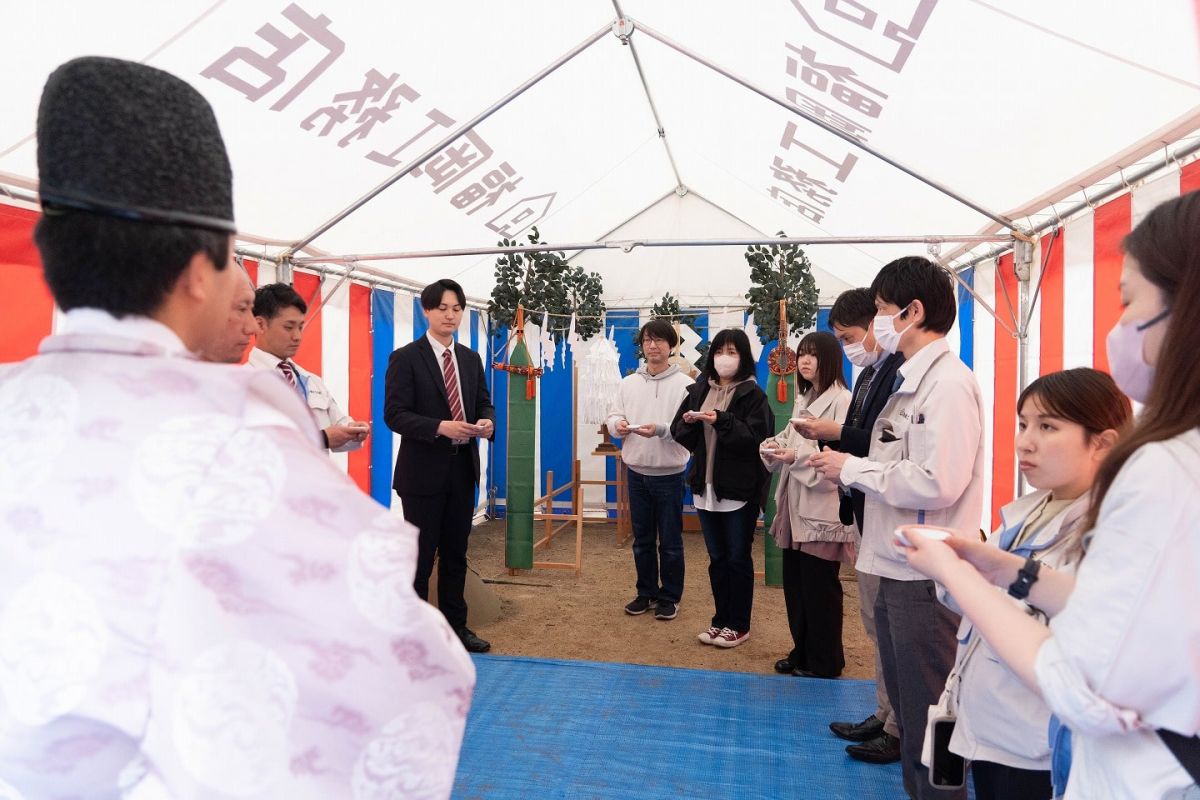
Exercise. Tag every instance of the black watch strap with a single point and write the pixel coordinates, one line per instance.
(1026, 577)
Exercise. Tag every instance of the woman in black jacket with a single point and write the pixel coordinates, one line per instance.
(723, 419)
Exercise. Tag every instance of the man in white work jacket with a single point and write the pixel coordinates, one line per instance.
(924, 466)
(280, 311)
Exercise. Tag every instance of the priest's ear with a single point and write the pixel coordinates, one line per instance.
(203, 281)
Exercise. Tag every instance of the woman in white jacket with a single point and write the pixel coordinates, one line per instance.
(1119, 663)
(807, 526)
(1067, 422)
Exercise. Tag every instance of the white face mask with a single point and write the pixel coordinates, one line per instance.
(726, 365)
(859, 355)
(1129, 369)
(886, 335)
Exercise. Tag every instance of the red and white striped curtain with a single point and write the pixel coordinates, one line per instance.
(1078, 304)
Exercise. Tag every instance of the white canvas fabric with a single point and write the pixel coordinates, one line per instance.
(322, 102)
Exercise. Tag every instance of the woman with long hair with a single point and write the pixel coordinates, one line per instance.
(1067, 423)
(1119, 663)
(722, 421)
(807, 526)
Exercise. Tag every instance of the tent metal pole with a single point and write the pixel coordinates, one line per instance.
(958, 278)
(624, 27)
(1022, 264)
(374, 277)
(449, 139)
(19, 195)
(1091, 202)
(1005, 221)
(628, 245)
(248, 253)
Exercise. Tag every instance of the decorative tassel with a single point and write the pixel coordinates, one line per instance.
(781, 390)
(530, 388)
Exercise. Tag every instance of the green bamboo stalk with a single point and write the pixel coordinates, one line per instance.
(522, 414)
(772, 556)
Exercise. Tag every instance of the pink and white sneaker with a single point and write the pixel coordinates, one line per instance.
(710, 636)
(728, 637)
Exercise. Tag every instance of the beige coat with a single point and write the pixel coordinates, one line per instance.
(810, 501)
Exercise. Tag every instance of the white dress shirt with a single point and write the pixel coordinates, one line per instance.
(438, 353)
(312, 389)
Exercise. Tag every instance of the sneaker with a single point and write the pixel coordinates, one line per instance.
(665, 609)
(728, 637)
(639, 605)
(710, 635)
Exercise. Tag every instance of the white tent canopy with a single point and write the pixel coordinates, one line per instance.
(1013, 108)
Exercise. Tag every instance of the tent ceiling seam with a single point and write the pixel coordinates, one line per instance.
(626, 39)
(1085, 46)
(449, 139)
(852, 141)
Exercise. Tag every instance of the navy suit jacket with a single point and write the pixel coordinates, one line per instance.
(415, 403)
(857, 440)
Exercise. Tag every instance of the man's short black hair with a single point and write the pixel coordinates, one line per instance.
(659, 329)
(853, 308)
(431, 295)
(120, 266)
(915, 278)
(272, 299)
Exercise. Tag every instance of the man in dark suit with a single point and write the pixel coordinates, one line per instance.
(436, 398)
(877, 738)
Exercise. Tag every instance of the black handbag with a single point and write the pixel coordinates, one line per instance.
(1186, 749)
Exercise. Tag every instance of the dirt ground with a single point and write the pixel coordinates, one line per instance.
(550, 613)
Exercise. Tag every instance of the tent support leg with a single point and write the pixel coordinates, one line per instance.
(1023, 265)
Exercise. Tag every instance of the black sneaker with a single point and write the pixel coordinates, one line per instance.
(639, 605)
(665, 609)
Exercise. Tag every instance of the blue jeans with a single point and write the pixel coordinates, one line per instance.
(729, 537)
(656, 511)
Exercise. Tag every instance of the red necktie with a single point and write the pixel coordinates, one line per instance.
(449, 375)
(289, 374)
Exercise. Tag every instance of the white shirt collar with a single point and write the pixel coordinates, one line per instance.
(97, 322)
(923, 359)
(439, 348)
(261, 359)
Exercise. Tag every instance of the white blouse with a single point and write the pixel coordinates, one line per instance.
(1124, 658)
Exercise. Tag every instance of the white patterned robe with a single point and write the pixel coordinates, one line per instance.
(194, 602)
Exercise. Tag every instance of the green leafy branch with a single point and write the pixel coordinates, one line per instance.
(545, 284)
(781, 272)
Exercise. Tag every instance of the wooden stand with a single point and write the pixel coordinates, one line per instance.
(548, 517)
(624, 521)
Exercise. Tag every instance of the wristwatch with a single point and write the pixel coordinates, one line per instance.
(1027, 575)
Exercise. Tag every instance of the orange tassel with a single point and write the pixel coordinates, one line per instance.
(530, 388)
(781, 390)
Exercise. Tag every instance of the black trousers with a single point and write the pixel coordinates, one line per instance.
(729, 537)
(999, 782)
(444, 520)
(813, 595)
